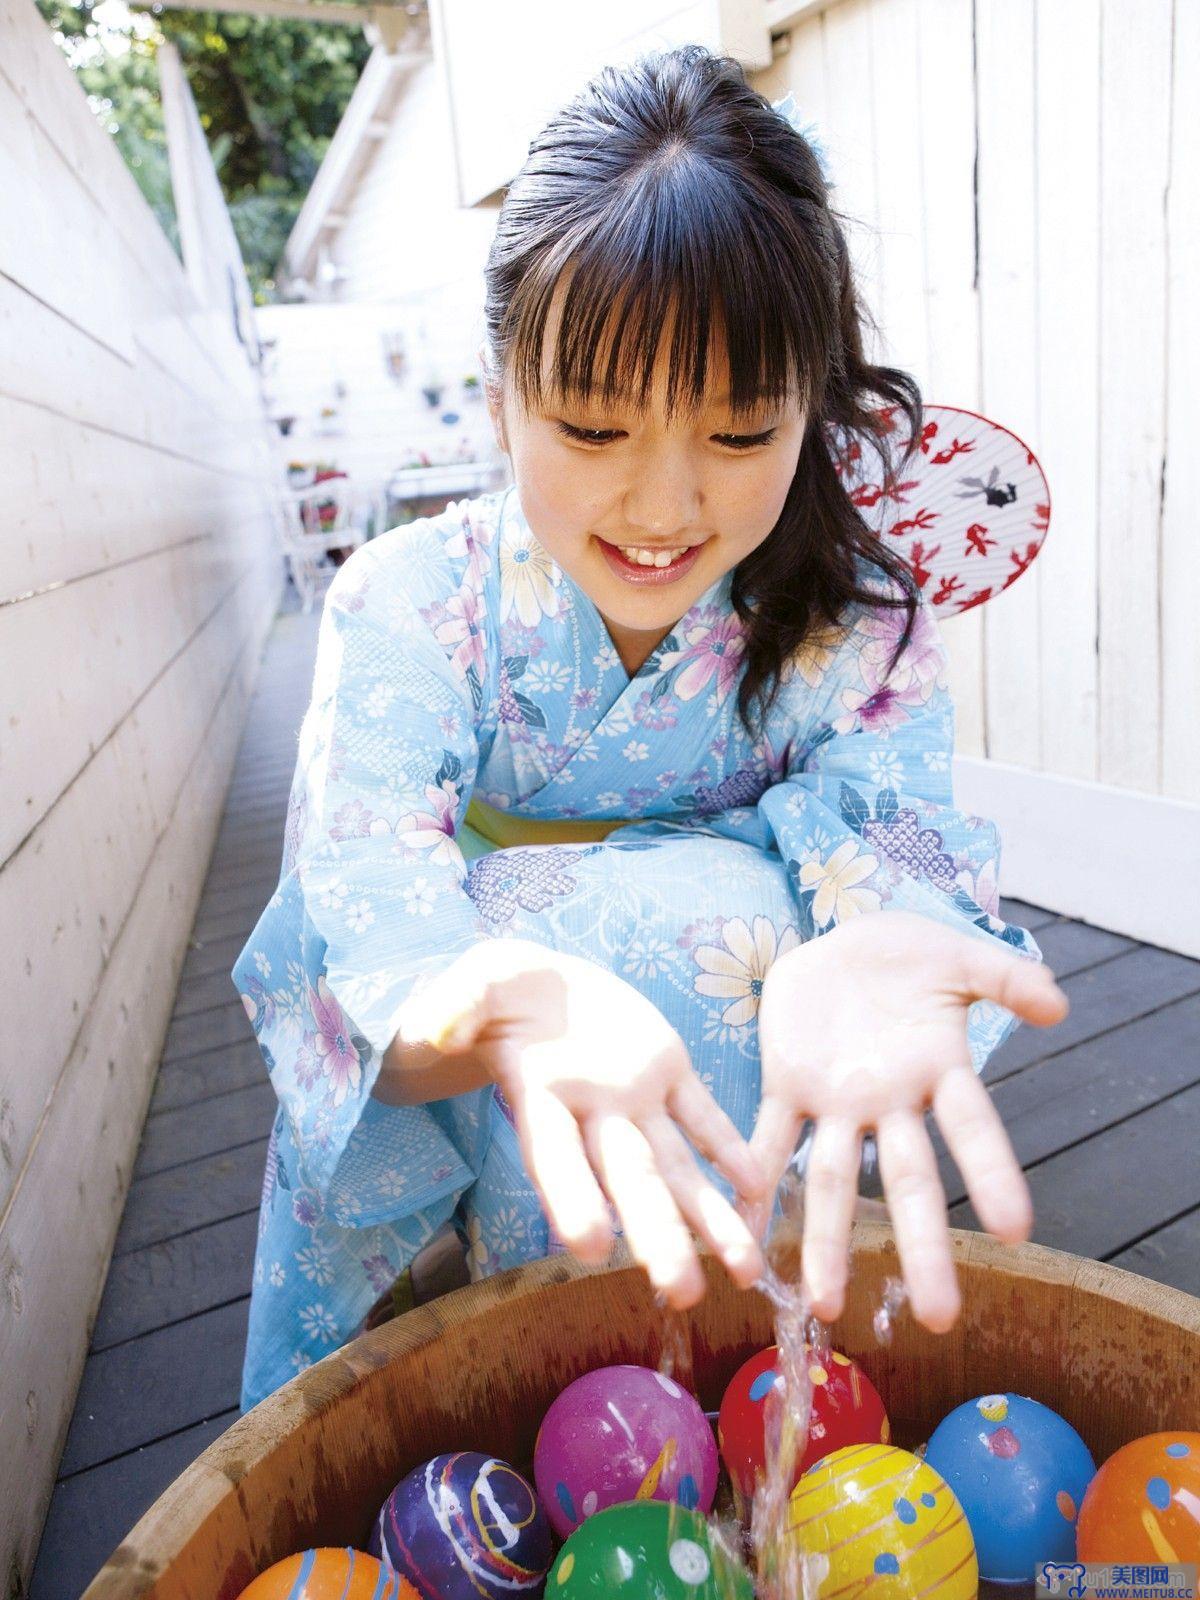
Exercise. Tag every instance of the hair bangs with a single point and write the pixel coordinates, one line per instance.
(668, 261)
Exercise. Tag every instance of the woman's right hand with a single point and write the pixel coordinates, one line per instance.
(602, 1092)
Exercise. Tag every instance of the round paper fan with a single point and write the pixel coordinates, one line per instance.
(969, 511)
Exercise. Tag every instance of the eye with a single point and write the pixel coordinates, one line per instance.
(745, 441)
(731, 441)
(587, 435)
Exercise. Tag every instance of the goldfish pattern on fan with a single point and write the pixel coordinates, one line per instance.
(968, 513)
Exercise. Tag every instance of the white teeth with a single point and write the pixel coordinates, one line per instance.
(650, 558)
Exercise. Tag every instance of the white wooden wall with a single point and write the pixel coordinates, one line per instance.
(137, 580)
(1077, 325)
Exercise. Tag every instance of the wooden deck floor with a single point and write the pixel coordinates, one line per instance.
(1104, 1111)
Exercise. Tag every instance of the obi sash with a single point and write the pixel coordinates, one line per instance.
(485, 829)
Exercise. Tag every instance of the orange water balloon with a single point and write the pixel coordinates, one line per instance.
(1144, 1503)
(329, 1574)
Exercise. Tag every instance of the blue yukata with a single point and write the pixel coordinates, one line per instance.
(458, 663)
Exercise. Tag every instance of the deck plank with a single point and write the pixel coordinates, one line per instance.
(1105, 996)
(1169, 1255)
(202, 994)
(207, 956)
(196, 1078)
(175, 1279)
(215, 1028)
(1025, 915)
(239, 834)
(192, 1196)
(255, 810)
(260, 867)
(1072, 1096)
(151, 1386)
(182, 1136)
(248, 894)
(1098, 1196)
(224, 923)
(91, 1512)
(1070, 947)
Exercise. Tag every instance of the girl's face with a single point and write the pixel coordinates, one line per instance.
(593, 480)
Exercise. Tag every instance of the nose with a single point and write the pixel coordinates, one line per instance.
(665, 496)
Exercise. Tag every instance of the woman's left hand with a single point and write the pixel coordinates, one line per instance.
(863, 1028)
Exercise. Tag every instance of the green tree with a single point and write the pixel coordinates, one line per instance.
(270, 94)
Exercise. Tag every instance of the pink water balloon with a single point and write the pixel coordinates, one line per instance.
(623, 1433)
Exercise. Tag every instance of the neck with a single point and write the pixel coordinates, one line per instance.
(635, 646)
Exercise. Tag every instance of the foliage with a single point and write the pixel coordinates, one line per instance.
(270, 94)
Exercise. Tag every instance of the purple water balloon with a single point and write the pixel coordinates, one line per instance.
(623, 1433)
(464, 1526)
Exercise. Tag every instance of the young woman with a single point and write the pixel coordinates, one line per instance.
(622, 841)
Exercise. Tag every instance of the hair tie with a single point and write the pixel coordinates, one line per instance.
(809, 131)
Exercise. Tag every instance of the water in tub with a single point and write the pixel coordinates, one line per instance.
(784, 1569)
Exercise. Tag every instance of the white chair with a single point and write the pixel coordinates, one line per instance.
(318, 519)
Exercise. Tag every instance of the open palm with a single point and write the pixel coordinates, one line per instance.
(866, 1028)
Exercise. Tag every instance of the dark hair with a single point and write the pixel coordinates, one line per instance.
(671, 182)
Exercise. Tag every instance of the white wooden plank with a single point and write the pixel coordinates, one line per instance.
(791, 14)
(185, 337)
(36, 71)
(126, 625)
(371, 103)
(1180, 575)
(894, 34)
(320, 346)
(53, 1274)
(1068, 364)
(70, 887)
(1006, 55)
(945, 116)
(61, 251)
(1055, 830)
(1135, 133)
(50, 362)
(849, 91)
(801, 70)
(71, 490)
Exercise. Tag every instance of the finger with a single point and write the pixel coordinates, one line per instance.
(716, 1136)
(918, 1207)
(975, 1135)
(830, 1192)
(557, 1163)
(773, 1143)
(702, 1205)
(654, 1230)
(1026, 988)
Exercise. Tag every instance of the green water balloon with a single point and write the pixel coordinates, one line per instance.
(646, 1550)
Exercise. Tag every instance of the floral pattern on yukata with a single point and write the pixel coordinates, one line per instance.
(456, 658)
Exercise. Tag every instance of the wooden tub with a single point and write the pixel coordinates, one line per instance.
(1117, 1354)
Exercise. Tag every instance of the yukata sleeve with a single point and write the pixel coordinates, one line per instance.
(372, 901)
(865, 819)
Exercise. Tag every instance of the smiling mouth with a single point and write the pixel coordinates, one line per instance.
(651, 556)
